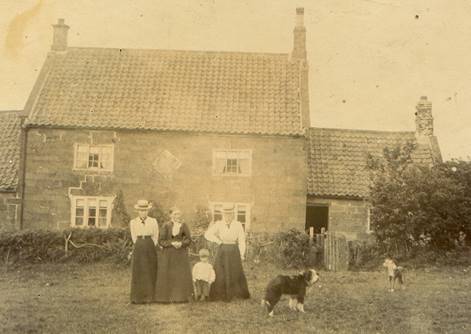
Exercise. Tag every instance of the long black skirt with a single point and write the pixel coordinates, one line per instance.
(144, 271)
(174, 283)
(230, 278)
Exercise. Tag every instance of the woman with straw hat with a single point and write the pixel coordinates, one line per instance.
(145, 235)
(230, 278)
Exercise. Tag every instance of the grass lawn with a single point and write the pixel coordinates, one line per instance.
(94, 299)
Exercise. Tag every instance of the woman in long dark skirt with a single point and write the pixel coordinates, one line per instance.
(174, 282)
(145, 235)
(230, 278)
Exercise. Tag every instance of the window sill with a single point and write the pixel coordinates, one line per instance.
(93, 170)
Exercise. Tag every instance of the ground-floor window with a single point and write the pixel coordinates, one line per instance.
(368, 220)
(89, 211)
(241, 212)
(12, 213)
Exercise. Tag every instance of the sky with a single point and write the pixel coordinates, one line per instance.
(369, 60)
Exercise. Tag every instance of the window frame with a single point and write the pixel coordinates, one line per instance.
(86, 215)
(248, 152)
(100, 154)
(12, 219)
(368, 220)
(248, 212)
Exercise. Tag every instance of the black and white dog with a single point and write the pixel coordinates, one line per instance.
(294, 285)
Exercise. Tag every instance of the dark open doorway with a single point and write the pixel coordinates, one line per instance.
(317, 216)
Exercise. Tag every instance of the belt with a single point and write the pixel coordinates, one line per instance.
(143, 236)
(229, 243)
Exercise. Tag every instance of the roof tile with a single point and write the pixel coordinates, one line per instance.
(10, 130)
(337, 159)
(170, 90)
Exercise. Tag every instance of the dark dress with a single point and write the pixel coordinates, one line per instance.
(174, 283)
(230, 278)
(144, 270)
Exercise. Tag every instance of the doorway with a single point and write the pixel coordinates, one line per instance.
(317, 216)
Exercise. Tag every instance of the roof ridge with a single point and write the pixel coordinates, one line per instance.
(182, 51)
(364, 130)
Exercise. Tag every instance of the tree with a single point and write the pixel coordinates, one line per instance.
(119, 215)
(418, 206)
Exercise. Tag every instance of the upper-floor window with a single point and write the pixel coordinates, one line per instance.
(88, 211)
(93, 157)
(232, 162)
(241, 212)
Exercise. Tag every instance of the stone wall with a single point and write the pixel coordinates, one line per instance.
(347, 216)
(276, 189)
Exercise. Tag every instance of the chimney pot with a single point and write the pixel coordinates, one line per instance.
(59, 41)
(299, 47)
(299, 17)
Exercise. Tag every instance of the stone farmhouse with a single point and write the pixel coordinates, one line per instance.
(187, 128)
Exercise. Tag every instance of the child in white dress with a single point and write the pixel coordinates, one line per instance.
(203, 276)
(394, 273)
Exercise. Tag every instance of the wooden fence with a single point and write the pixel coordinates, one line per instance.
(334, 247)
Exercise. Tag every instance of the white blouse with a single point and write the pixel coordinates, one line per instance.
(222, 233)
(176, 228)
(148, 227)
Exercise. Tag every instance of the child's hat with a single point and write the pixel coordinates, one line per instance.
(204, 252)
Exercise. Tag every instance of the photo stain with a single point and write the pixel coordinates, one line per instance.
(416, 17)
(15, 39)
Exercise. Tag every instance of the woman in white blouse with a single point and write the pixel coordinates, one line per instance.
(145, 235)
(230, 278)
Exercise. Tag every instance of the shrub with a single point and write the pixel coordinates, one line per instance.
(83, 246)
(119, 215)
(364, 255)
(417, 208)
(200, 221)
(293, 249)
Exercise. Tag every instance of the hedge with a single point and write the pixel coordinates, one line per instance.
(287, 249)
(77, 245)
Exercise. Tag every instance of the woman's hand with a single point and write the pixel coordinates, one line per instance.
(177, 244)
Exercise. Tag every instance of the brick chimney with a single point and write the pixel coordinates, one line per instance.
(423, 118)
(299, 45)
(59, 41)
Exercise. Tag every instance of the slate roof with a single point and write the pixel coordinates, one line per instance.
(337, 159)
(227, 92)
(10, 131)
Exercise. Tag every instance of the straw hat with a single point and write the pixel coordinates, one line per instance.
(142, 204)
(228, 208)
